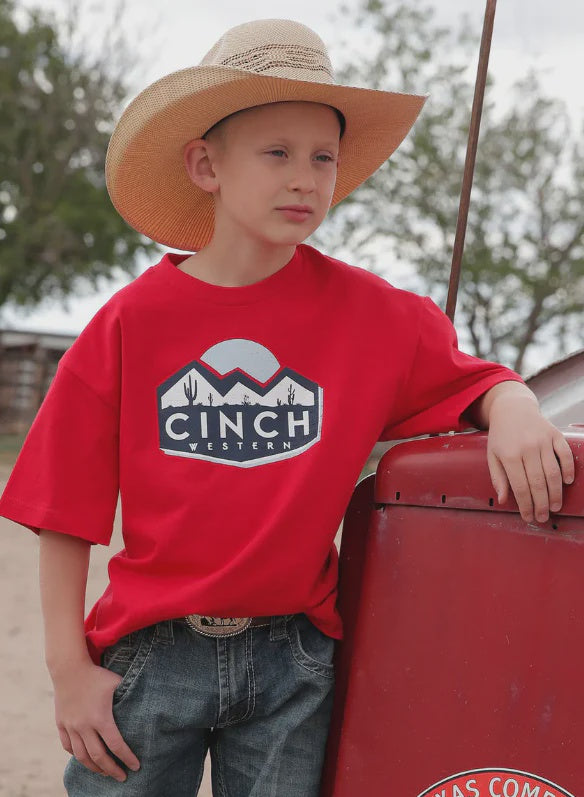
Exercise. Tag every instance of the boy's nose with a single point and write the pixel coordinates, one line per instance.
(302, 180)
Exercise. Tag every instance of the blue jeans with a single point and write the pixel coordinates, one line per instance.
(259, 701)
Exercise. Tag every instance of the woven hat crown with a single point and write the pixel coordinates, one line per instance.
(276, 47)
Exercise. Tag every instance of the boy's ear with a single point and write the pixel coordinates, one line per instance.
(198, 165)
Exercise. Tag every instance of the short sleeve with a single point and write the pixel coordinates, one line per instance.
(442, 382)
(66, 476)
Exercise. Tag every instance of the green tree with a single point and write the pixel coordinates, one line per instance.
(57, 225)
(523, 269)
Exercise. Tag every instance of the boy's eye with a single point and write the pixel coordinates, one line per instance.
(322, 157)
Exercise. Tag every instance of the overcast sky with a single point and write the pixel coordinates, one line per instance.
(177, 33)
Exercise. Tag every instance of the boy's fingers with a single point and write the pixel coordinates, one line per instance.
(65, 740)
(553, 476)
(498, 477)
(115, 741)
(81, 754)
(101, 758)
(517, 477)
(565, 456)
(538, 486)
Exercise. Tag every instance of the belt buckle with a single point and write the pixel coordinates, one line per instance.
(217, 626)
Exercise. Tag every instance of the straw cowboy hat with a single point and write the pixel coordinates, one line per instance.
(264, 61)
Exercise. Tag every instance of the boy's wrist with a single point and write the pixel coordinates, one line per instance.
(61, 663)
(511, 394)
(500, 398)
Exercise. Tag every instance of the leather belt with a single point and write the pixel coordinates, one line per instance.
(223, 626)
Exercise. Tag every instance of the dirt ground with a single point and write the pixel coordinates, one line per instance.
(32, 759)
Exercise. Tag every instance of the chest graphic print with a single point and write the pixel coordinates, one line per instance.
(237, 405)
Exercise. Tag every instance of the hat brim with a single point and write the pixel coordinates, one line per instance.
(145, 174)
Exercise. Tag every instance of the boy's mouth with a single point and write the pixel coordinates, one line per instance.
(296, 212)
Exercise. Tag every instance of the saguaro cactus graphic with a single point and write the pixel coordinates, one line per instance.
(191, 393)
(291, 394)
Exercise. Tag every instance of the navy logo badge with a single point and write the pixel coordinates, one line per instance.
(237, 406)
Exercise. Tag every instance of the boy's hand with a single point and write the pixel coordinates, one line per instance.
(525, 452)
(83, 711)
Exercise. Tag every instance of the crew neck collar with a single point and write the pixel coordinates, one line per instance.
(286, 279)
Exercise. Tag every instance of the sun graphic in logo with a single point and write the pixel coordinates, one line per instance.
(247, 355)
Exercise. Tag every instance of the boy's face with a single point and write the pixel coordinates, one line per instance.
(275, 168)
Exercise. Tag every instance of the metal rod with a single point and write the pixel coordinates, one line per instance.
(471, 151)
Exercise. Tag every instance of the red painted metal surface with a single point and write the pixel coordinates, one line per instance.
(351, 561)
(464, 633)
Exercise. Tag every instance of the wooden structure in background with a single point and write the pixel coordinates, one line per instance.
(28, 361)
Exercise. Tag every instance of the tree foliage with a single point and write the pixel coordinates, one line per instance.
(523, 269)
(57, 225)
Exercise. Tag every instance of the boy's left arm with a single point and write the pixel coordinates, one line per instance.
(525, 451)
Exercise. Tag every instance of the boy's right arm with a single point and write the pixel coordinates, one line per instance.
(83, 690)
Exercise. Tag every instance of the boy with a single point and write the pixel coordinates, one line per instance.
(232, 398)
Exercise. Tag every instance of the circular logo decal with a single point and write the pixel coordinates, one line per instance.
(495, 783)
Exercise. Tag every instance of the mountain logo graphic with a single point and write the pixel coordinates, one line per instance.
(237, 406)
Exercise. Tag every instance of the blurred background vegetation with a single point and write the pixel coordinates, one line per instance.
(522, 284)
(58, 105)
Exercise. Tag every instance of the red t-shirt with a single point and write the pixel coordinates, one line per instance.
(234, 423)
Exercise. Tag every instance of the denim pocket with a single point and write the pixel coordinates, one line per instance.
(127, 657)
(312, 649)
(121, 651)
